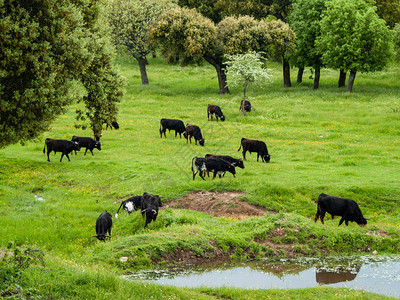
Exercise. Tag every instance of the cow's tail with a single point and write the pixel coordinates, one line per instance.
(116, 215)
(44, 148)
(192, 162)
(240, 146)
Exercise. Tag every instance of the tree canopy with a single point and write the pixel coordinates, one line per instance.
(389, 10)
(354, 38)
(129, 21)
(46, 45)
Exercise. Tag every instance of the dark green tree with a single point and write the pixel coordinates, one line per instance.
(353, 38)
(45, 48)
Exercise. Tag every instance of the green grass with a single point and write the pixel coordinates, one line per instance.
(321, 141)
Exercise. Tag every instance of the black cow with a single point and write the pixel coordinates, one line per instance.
(247, 106)
(149, 206)
(211, 164)
(171, 124)
(63, 146)
(255, 146)
(346, 208)
(103, 226)
(130, 205)
(86, 142)
(215, 110)
(195, 132)
(234, 161)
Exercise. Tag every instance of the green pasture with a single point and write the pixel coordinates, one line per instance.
(323, 140)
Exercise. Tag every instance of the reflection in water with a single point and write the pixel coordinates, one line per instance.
(370, 273)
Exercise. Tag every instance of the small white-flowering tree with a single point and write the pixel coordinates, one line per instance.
(243, 69)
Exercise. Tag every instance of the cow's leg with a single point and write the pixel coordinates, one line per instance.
(341, 221)
(195, 172)
(75, 152)
(244, 154)
(215, 174)
(322, 217)
(257, 156)
(85, 152)
(48, 158)
(190, 139)
(176, 133)
(208, 115)
(346, 222)
(216, 117)
(316, 216)
(62, 154)
(91, 150)
(201, 174)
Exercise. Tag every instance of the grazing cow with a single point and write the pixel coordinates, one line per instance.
(111, 124)
(149, 206)
(346, 208)
(247, 106)
(86, 142)
(63, 146)
(211, 164)
(103, 226)
(234, 161)
(255, 146)
(195, 132)
(171, 124)
(130, 205)
(215, 110)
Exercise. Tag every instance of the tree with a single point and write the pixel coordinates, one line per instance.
(45, 48)
(185, 36)
(396, 30)
(389, 10)
(243, 69)
(305, 21)
(282, 42)
(129, 21)
(353, 38)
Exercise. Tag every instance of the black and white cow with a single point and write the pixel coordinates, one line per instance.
(195, 132)
(346, 208)
(171, 124)
(130, 205)
(211, 164)
(215, 110)
(63, 146)
(255, 146)
(247, 106)
(86, 142)
(103, 226)
(149, 207)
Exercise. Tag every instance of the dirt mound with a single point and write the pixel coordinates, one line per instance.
(219, 204)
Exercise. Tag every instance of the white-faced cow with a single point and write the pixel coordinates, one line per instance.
(63, 146)
(346, 208)
(195, 132)
(247, 106)
(103, 226)
(211, 164)
(149, 207)
(171, 124)
(215, 110)
(86, 142)
(130, 205)
(255, 146)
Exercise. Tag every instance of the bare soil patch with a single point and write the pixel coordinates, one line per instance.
(219, 204)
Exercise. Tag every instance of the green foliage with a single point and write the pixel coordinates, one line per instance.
(282, 40)
(305, 21)
(396, 40)
(353, 37)
(389, 10)
(46, 45)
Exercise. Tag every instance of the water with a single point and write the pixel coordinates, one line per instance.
(373, 274)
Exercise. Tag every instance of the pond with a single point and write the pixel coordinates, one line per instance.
(375, 274)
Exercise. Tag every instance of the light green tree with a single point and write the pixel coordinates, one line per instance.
(129, 21)
(353, 38)
(46, 46)
(245, 69)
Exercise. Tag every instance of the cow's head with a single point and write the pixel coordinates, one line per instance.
(267, 157)
(222, 118)
(77, 147)
(362, 221)
(97, 145)
(185, 135)
(240, 163)
(201, 142)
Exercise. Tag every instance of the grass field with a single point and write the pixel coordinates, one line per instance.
(325, 141)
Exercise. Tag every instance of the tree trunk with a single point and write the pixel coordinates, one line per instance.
(220, 68)
(350, 83)
(300, 75)
(286, 73)
(316, 78)
(142, 66)
(244, 97)
(342, 78)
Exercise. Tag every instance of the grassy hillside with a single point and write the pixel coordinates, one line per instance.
(320, 141)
